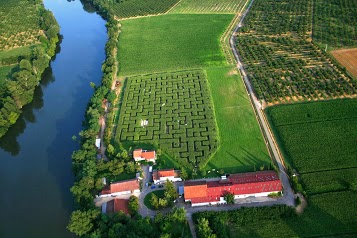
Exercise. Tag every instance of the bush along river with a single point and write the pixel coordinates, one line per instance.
(35, 154)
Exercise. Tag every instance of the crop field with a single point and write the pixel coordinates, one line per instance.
(173, 109)
(348, 58)
(133, 8)
(281, 61)
(327, 215)
(209, 6)
(15, 31)
(317, 136)
(241, 143)
(335, 22)
(171, 42)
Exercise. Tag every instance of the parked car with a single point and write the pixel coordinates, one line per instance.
(161, 186)
(153, 187)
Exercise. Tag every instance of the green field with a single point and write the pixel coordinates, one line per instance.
(209, 6)
(335, 23)
(241, 143)
(317, 136)
(327, 215)
(171, 42)
(179, 114)
(133, 8)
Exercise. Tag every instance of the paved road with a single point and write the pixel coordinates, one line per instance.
(289, 197)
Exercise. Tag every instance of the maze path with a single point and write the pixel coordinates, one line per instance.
(179, 112)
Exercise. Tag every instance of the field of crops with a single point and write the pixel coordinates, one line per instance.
(171, 42)
(15, 30)
(348, 59)
(178, 112)
(209, 6)
(241, 143)
(282, 63)
(133, 8)
(335, 22)
(327, 215)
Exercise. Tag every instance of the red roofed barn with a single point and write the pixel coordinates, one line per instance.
(257, 184)
(140, 154)
(121, 188)
(161, 176)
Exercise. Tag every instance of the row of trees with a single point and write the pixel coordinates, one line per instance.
(18, 90)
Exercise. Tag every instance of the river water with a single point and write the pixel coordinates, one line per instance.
(35, 155)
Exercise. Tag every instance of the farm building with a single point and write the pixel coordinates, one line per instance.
(257, 184)
(121, 188)
(161, 176)
(140, 154)
(116, 205)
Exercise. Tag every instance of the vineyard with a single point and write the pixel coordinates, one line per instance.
(209, 6)
(281, 61)
(15, 31)
(132, 8)
(171, 42)
(335, 22)
(172, 109)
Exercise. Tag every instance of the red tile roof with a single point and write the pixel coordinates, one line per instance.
(148, 155)
(117, 205)
(121, 186)
(195, 189)
(260, 176)
(137, 153)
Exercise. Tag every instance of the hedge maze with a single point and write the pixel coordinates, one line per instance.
(178, 111)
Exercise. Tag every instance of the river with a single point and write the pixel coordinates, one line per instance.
(35, 155)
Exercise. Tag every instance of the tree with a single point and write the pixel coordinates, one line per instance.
(154, 201)
(133, 205)
(184, 174)
(229, 197)
(130, 167)
(25, 64)
(163, 202)
(204, 231)
(170, 193)
(81, 222)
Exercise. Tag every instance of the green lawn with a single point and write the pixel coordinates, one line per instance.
(241, 142)
(158, 193)
(171, 42)
(5, 71)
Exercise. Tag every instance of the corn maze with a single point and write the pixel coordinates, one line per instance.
(15, 31)
(173, 109)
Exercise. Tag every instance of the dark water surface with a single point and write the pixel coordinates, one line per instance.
(35, 155)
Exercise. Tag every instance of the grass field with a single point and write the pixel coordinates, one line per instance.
(209, 6)
(347, 58)
(179, 113)
(327, 215)
(171, 42)
(241, 143)
(317, 136)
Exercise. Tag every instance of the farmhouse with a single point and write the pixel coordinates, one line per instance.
(140, 154)
(257, 184)
(116, 205)
(161, 176)
(121, 188)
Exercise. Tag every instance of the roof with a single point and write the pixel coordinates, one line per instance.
(147, 155)
(127, 185)
(117, 205)
(157, 174)
(260, 176)
(137, 153)
(195, 189)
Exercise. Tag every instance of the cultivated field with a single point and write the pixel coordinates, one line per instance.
(335, 22)
(242, 146)
(178, 112)
(133, 8)
(171, 42)
(209, 6)
(16, 32)
(348, 58)
(282, 63)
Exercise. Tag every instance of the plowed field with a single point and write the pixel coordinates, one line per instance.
(348, 58)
